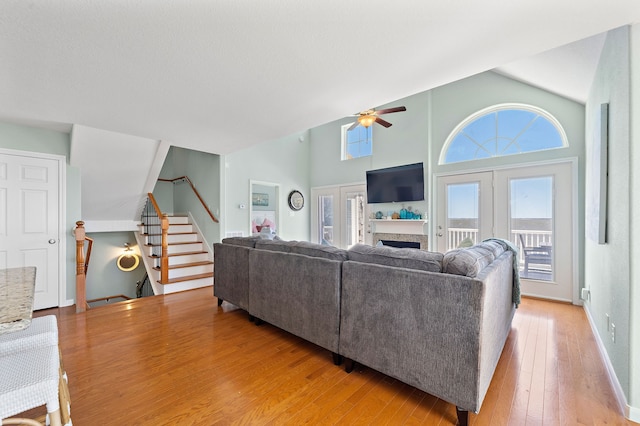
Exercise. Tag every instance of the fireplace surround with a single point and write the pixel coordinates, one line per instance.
(411, 238)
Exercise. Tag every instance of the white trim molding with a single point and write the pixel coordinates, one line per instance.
(631, 413)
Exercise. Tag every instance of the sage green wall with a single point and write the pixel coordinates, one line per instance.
(25, 138)
(163, 191)
(405, 142)
(419, 134)
(634, 319)
(608, 267)
(103, 276)
(203, 170)
(285, 162)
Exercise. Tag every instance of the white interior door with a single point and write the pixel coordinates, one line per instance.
(531, 206)
(29, 221)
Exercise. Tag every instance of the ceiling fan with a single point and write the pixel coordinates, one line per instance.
(370, 116)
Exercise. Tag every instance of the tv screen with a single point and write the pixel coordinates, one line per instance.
(396, 184)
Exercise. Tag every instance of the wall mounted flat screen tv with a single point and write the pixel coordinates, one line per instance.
(396, 184)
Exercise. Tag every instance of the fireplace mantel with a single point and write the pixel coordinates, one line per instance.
(398, 226)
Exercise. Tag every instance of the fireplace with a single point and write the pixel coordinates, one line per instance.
(401, 240)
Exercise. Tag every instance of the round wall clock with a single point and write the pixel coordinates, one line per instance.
(296, 200)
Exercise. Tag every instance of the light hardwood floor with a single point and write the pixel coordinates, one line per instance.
(182, 360)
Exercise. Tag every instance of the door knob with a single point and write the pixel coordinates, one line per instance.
(52, 241)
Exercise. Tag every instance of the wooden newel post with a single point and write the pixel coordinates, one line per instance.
(164, 260)
(81, 278)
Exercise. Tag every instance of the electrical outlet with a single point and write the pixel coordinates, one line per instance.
(613, 332)
(585, 294)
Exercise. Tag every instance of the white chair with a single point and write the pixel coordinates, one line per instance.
(43, 331)
(30, 379)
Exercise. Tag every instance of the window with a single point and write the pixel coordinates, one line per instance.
(356, 143)
(503, 130)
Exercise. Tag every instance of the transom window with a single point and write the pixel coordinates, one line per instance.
(356, 143)
(503, 130)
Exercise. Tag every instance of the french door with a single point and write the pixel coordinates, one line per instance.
(533, 207)
(339, 216)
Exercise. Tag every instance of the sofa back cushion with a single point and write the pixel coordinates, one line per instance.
(318, 250)
(274, 245)
(470, 261)
(398, 257)
(303, 247)
(241, 241)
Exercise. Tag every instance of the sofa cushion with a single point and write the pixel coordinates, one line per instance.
(274, 245)
(467, 261)
(317, 250)
(398, 257)
(241, 241)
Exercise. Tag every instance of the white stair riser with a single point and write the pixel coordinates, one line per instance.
(179, 248)
(175, 238)
(176, 228)
(190, 270)
(178, 219)
(187, 258)
(188, 285)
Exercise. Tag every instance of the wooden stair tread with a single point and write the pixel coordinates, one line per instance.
(188, 278)
(186, 265)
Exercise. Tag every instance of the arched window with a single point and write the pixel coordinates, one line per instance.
(503, 130)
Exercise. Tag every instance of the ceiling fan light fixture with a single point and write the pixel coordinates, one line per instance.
(366, 120)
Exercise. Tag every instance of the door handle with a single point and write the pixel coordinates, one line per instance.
(52, 241)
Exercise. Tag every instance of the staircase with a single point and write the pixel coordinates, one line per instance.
(190, 263)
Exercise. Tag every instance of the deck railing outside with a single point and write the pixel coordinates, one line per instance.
(532, 238)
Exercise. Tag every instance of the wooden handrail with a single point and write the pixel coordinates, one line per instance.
(186, 178)
(89, 246)
(155, 204)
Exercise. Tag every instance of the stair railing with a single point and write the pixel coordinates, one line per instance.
(82, 266)
(156, 229)
(195, 191)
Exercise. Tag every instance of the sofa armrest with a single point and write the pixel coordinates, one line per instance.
(423, 328)
(231, 274)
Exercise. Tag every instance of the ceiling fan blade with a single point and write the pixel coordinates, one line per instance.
(390, 110)
(383, 122)
(353, 126)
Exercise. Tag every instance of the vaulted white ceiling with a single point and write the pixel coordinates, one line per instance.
(218, 76)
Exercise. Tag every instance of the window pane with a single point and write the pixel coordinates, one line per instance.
(325, 222)
(356, 143)
(463, 218)
(503, 131)
(531, 225)
(354, 222)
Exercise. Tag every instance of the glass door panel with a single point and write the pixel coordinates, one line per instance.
(531, 225)
(354, 215)
(326, 206)
(535, 211)
(464, 214)
(339, 216)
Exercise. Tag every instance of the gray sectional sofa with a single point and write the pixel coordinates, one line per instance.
(434, 321)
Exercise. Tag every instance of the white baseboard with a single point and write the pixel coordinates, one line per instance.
(631, 413)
